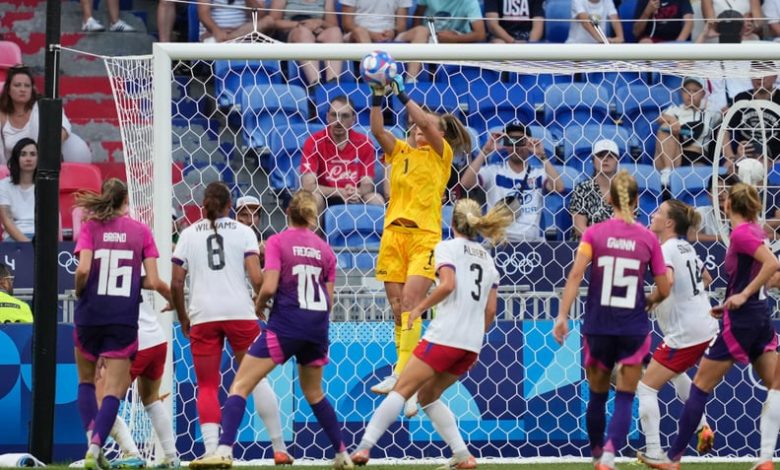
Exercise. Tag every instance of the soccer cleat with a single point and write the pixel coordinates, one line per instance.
(121, 27)
(765, 465)
(212, 461)
(385, 386)
(602, 466)
(343, 462)
(92, 26)
(410, 407)
(129, 461)
(283, 458)
(706, 438)
(463, 464)
(662, 463)
(360, 457)
(96, 463)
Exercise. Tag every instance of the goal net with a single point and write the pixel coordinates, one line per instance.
(241, 113)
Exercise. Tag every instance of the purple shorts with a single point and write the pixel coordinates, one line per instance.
(112, 341)
(280, 349)
(604, 351)
(743, 345)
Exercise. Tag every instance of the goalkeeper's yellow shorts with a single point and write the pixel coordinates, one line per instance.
(406, 251)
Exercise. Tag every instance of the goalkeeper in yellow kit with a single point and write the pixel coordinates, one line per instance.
(418, 177)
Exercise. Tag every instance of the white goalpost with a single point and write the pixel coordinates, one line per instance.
(525, 399)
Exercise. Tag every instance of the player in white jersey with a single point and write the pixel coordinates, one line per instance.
(685, 320)
(466, 295)
(219, 253)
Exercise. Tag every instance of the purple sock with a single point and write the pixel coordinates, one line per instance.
(326, 416)
(620, 422)
(596, 421)
(232, 412)
(689, 421)
(104, 420)
(87, 404)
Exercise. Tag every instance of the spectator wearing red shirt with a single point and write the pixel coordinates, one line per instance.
(337, 163)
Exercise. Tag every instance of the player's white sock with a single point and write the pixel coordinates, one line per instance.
(650, 417)
(383, 417)
(608, 459)
(267, 408)
(121, 434)
(163, 427)
(682, 387)
(210, 433)
(770, 425)
(444, 422)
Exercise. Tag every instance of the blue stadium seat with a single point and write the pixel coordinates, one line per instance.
(571, 176)
(556, 220)
(354, 225)
(265, 108)
(500, 106)
(557, 31)
(284, 160)
(581, 103)
(233, 76)
(358, 93)
(439, 97)
(578, 143)
(638, 107)
(650, 189)
(549, 138)
(446, 221)
(691, 184)
(627, 12)
(193, 23)
(613, 80)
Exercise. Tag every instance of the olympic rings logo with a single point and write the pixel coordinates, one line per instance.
(66, 260)
(518, 262)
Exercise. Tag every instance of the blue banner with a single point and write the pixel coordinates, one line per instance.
(525, 397)
(20, 258)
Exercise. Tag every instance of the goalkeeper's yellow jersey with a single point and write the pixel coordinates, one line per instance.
(418, 179)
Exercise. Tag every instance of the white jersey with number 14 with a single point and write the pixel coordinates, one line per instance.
(460, 318)
(215, 264)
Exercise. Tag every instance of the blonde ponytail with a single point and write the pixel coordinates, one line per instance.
(467, 219)
(456, 134)
(624, 192)
(302, 210)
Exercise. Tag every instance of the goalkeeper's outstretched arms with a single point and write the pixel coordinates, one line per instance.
(385, 138)
(429, 124)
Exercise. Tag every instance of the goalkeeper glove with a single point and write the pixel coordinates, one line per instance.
(377, 94)
(398, 88)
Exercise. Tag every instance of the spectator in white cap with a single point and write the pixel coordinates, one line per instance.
(589, 200)
(686, 130)
(248, 210)
(517, 180)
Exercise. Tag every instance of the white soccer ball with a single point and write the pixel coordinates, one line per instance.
(751, 171)
(378, 68)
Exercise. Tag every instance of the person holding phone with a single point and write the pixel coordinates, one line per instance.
(750, 128)
(516, 180)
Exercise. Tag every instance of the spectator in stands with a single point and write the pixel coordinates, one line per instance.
(772, 12)
(590, 199)
(515, 181)
(686, 130)
(510, 21)
(309, 21)
(17, 193)
(166, 17)
(12, 310)
(745, 127)
(19, 117)
(592, 20)
(663, 20)
(221, 20)
(458, 21)
(91, 25)
(248, 211)
(749, 9)
(337, 163)
(385, 21)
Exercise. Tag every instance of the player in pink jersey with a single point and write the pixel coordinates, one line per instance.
(746, 330)
(615, 326)
(300, 273)
(111, 248)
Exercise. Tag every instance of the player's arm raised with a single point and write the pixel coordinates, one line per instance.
(428, 123)
(445, 288)
(385, 138)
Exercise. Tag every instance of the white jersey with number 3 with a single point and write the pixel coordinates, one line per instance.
(684, 317)
(460, 318)
(215, 263)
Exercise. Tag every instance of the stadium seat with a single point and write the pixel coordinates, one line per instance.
(559, 11)
(4, 172)
(650, 189)
(581, 103)
(233, 76)
(193, 23)
(613, 80)
(691, 184)
(465, 80)
(358, 93)
(284, 161)
(500, 106)
(268, 107)
(578, 143)
(536, 84)
(638, 107)
(439, 97)
(556, 219)
(10, 55)
(626, 12)
(354, 225)
(446, 221)
(549, 138)
(75, 177)
(192, 213)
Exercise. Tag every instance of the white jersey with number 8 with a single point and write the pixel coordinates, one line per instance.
(215, 263)
(460, 318)
(684, 317)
